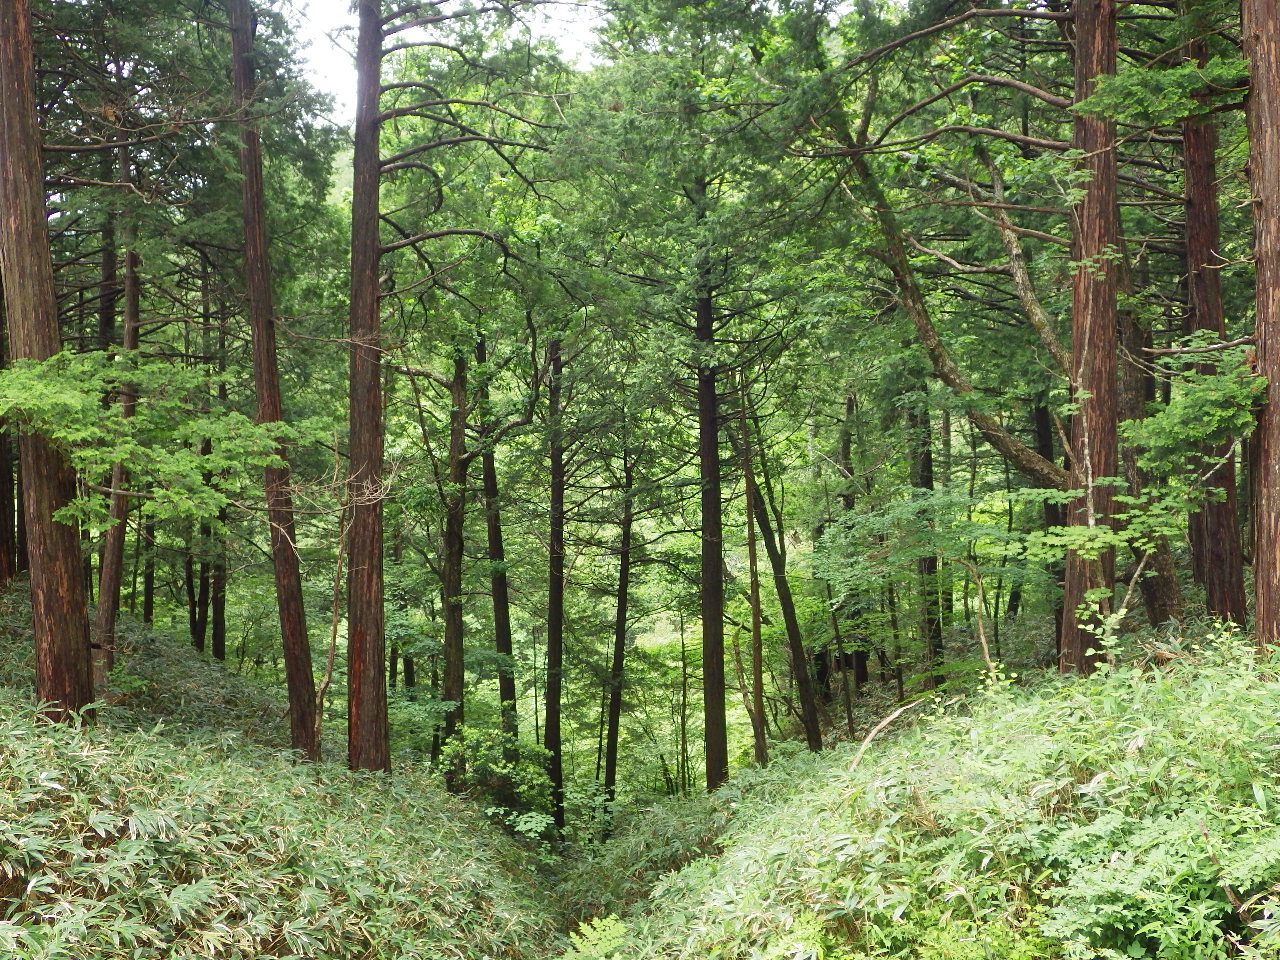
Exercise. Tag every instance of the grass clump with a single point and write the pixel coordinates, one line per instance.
(1126, 815)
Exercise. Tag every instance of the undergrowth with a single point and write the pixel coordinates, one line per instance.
(173, 828)
(1127, 815)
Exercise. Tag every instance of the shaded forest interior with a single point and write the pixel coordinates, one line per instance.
(574, 431)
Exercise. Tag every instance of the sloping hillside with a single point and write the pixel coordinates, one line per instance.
(1131, 814)
(190, 839)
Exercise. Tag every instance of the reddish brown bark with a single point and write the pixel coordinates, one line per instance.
(368, 740)
(266, 375)
(60, 616)
(1261, 37)
(1095, 227)
(1217, 558)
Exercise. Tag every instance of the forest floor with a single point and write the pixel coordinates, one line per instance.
(1129, 814)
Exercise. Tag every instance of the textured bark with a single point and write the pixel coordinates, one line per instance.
(111, 574)
(617, 666)
(8, 510)
(498, 585)
(455, 516)
(368, 743)
(551, 735)
(218, 600)
(300, 680)
(60, 618)
(1216, 554)
(715, 732)
(1095, 227)
(1261, 37)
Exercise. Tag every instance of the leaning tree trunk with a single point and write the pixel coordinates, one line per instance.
(368, 742)
(774, 547)
(303, 730)
(1095, 227)
(60, 618)
(1217, 558)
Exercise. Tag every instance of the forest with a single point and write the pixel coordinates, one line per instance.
(770, 479)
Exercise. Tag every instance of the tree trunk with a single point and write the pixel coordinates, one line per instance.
(1095, 228)
(368, 743)
(1216, 555)
(555, 590)
(300, 680)
(920, 428)
(455, 516)
(218, 597)
(775, 549)
(498, 586)
(60, 618)
(755, 710)
(715, 732)
(617, 667)
(111, 574)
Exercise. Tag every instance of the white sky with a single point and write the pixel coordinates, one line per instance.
(327, 27)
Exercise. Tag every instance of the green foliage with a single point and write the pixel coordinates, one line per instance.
(1159, 98)
(604, 938)
(646, 845)
(505, 776)
(1214, 403)
(193, 459)
(1121, 815)
(121, 843)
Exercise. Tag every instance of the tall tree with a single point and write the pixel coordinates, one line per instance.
(368, 738)
(1095, 229)
(303, 729)
(64, 677)
(1261, 20)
